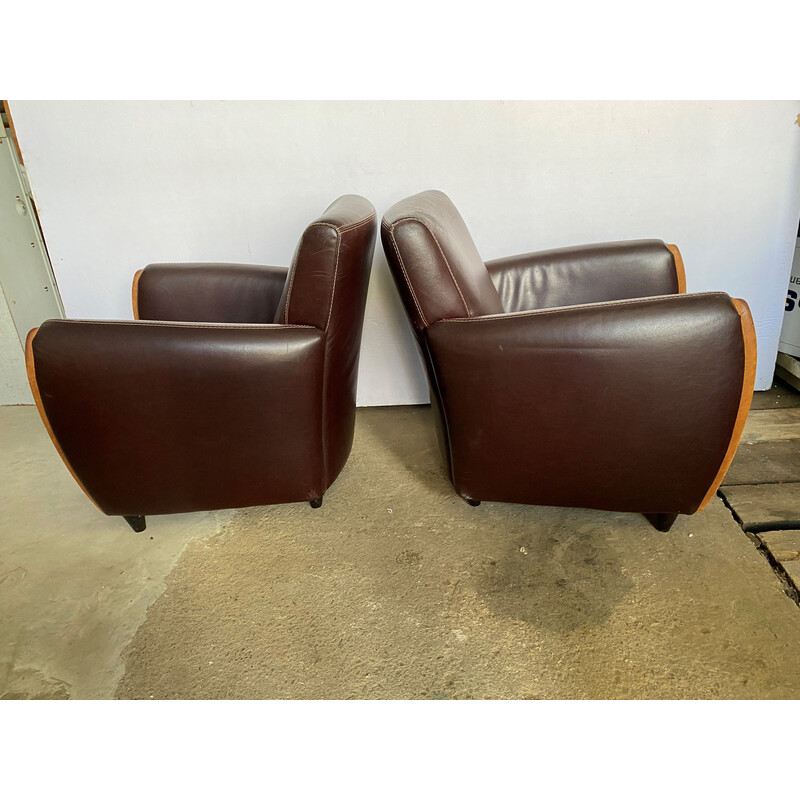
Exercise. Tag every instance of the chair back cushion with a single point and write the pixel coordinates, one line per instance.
(437, 268)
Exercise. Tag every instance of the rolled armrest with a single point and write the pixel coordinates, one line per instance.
(161, 418)
(593, 273)
(208, 292)
(630, 406)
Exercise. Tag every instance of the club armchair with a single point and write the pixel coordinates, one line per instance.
(582, 377)
(235, 385)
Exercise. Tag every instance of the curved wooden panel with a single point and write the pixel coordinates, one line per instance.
(748, 381)
(30, 367)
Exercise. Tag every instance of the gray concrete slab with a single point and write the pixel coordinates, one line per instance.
(765, 462)
(394, 588)
(766, 505)
(74, 584)
(784, 545)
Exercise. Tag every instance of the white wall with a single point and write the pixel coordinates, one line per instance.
(122, 184)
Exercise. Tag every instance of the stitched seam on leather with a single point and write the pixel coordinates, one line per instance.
(335, 276)
(562, 309)
(323, 421)
(446, 262)
(294, 262)
(405, 275)
(344, 228)
(209, 325)
(352, 224)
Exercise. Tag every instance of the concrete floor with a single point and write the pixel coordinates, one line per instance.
(74, 584)
(395, 588)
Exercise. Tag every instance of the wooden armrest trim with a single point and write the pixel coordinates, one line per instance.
(679, 270)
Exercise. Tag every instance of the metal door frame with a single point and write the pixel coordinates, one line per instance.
(32, 293)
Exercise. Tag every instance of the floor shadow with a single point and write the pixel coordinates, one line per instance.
(408, 435)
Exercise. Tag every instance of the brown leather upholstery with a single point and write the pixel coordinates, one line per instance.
(209, 292)
(228, 409)
(592, 273)
(596, 384)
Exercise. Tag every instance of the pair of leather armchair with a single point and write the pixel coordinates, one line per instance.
(574, 377)
(235, 387)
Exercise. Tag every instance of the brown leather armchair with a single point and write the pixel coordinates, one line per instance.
(578, 377)
(235, 387)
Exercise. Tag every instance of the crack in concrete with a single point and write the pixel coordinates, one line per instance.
(752, 531)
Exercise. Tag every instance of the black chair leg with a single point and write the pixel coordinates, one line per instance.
(472, 502)
(137, 523)
(661, 522)
(316, 503)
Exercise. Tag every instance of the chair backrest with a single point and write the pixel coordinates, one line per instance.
(327, 288)
(436, 266)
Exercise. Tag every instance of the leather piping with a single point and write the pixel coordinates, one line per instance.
(228, 326)
(30, 367)
(562, 309)
(324, 409)
(405, 275)
(291, 282)
(135, 293)
(339, 230)
(748, 381)
(335, 276)
(679, 269)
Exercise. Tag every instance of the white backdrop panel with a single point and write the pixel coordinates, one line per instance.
(123, 184)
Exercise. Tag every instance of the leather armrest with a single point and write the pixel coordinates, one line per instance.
(208, 292)
(593, 273)
(630, 406)
(161, 418)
